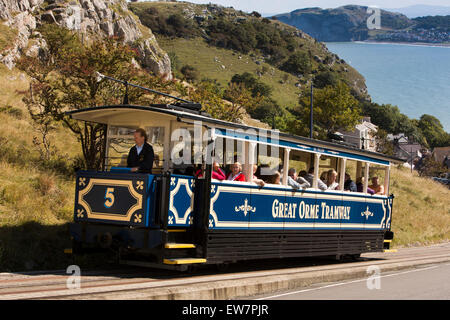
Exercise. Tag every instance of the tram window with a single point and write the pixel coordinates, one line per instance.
(327, 163)
(156, 140)
(377, 178)
(121, 140)
(354, 169)
(271, 161)
(300, 161)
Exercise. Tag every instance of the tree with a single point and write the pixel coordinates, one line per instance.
(334, 108)
(65, 79)
(210, 96)
(297, 63)
(433, 131)
(325, 78)
(241, 98)
(390, 119)
(251, 82)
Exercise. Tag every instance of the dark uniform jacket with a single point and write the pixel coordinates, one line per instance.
(144, 161)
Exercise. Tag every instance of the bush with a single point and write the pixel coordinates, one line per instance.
(257, 87)
(189, 72)
(297, 63)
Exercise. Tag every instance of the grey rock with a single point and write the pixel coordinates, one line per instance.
(91, 18)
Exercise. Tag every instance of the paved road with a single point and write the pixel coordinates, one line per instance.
(241, 280)
(429, 282)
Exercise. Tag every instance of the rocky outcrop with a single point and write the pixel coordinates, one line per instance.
(104, 18)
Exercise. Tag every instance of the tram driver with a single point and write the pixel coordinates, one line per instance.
(141, 156)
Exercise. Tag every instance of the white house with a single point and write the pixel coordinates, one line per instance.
(363, 136)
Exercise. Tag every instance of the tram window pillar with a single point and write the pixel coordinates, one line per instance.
(358, 169)
(106, 151)
(342, 174)
(286, 166)
(316, 170)
(386, 180)
(366, 177)
(250, 148)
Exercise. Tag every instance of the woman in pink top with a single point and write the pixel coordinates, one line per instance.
(217, 172)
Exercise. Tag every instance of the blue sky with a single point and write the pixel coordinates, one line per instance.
(280, 6)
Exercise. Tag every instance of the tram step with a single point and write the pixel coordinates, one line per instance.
(179, 246)
(184, 260)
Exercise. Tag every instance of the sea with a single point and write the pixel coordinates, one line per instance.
(416, 78)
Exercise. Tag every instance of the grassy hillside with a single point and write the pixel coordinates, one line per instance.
(421, 209)
(221, 42)
(221, 64)
(35, 201)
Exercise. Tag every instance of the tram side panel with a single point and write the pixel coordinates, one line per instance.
(181, 201)
(287, 223)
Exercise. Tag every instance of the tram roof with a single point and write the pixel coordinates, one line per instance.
(110, 114)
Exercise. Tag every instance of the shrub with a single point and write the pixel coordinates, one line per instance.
(189, 72)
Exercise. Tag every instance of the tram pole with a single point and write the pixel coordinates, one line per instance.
(311, 126)
(311, 112)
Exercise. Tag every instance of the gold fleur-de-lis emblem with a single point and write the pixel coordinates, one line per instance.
(246, 208)
(213, 189)
(80, 213)
(172, 181)
(171, 220)
(192, 183)
(367, 213)
(138, 218)
(82, 182)
(140, 185)
(191, 219)
(211, 223)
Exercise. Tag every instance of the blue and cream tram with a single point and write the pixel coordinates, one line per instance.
(173, 218)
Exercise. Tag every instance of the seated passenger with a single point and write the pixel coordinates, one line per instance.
(323, 177)
(217, 173)
(378, 189)
(259, 182)
(141, 156)
(296, 182)
(349, 184)
(360, 186)
(275, 178)
(236, 173)
(331, 180)
(302, 174)
(310, 178)
(198, 171)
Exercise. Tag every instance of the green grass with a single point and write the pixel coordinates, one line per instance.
(208, 60)
(35, 203)
(421, 211)
(7, 36)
